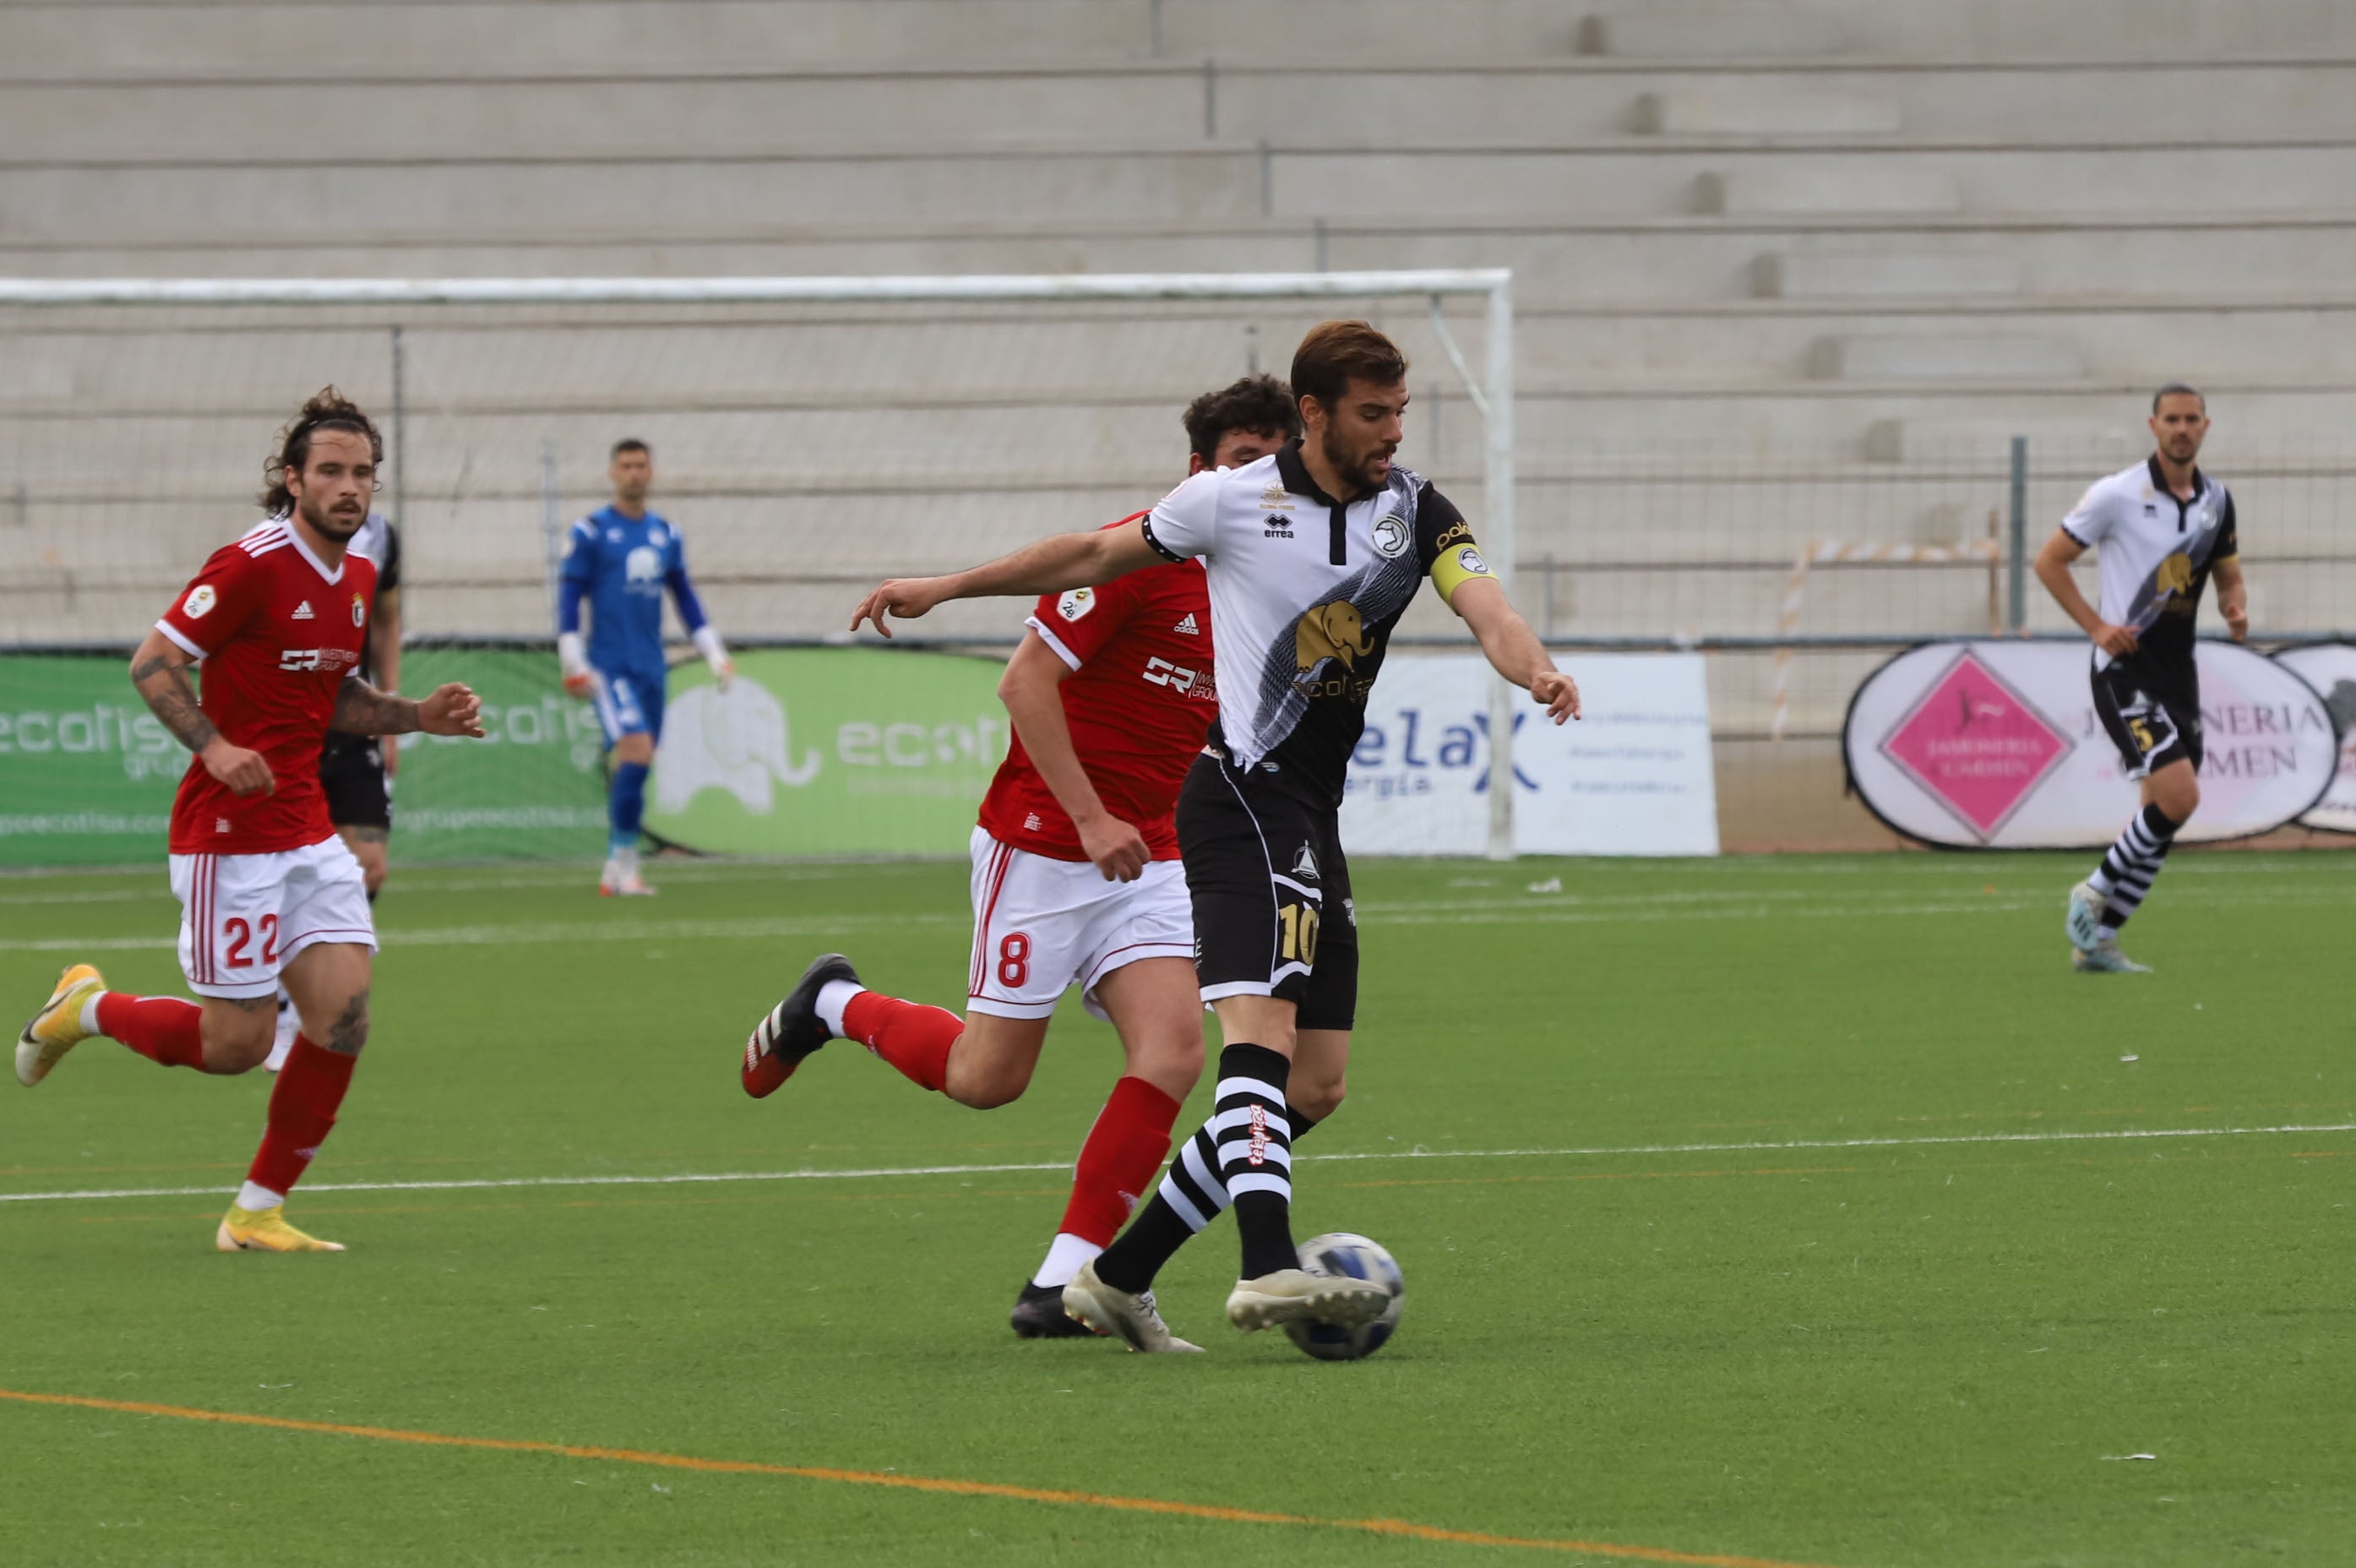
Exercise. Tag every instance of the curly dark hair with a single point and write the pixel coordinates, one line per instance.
(1261, 404)
(327, 409)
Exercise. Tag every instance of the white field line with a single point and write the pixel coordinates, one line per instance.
(1573, 911)
(1622, 1151)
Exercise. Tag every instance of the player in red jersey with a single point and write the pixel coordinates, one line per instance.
(267, 889)
(1075, 876)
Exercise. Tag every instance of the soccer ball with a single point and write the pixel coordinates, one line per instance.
(1337, 1253)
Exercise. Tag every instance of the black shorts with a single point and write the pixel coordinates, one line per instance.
(351, 772)
(2153, 714)
(1273, 915)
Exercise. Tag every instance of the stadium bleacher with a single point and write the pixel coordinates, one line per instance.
(1851, 238)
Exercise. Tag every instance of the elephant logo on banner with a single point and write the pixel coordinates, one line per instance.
(734, 740)
(1332, 630)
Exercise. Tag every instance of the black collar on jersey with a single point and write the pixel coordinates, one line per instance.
(1296, 477)
(2159, 483)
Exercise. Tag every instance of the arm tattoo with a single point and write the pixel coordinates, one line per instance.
(250, 1004)
(362, 709)
(174, 701)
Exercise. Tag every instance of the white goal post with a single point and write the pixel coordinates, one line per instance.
(65, 328)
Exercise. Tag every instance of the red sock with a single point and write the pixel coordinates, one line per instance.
(302, 1112)
(161, 1028)
(1117, 1163)
(910, 1036)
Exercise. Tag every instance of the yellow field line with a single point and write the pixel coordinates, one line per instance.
(1390, 1527)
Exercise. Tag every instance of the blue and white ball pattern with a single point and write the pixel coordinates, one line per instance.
(1337, 1254)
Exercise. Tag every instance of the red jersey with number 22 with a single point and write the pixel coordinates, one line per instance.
(1139, 700)
(278, 633)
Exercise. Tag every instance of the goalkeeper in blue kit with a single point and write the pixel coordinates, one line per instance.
(620, 559)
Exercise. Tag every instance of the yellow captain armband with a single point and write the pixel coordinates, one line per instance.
(1456, 566)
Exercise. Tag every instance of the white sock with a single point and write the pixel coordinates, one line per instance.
(89, 1012)
(251, 1199)
(626, 861)
(1064, 1256)
(832, 998)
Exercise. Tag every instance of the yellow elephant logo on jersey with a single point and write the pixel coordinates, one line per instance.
(1332, 630)
(2175, 574)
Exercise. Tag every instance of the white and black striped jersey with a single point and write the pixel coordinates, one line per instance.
(2157, 552)
(379, 542)
(1304, 593)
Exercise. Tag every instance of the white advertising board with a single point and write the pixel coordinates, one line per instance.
(1632, 778)
(1996, 745)
(2331, 668)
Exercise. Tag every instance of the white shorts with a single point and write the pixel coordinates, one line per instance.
(1042, 924)
(243, 916)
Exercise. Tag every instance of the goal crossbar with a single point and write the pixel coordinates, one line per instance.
(1492, 391)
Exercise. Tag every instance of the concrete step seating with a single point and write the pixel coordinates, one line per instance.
(1884, 229)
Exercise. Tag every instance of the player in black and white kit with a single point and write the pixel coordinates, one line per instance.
(357, 771)
(2164, 529)
(1314, 554)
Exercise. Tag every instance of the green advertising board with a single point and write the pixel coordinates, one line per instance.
(828, 751)
(811, 752)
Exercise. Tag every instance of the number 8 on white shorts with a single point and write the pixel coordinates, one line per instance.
(1042, 924)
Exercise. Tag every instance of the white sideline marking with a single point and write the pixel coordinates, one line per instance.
(2112, 1134)
(1573, 911)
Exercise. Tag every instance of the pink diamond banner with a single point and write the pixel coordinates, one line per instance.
(1994, 744)
(1977, 745)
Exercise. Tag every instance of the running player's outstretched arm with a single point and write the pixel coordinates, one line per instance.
(1050, 567)
(159, 671)
(362, 709)
(1513, 649)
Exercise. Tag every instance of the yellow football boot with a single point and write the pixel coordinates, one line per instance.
(266, 1231)
(56, 1027)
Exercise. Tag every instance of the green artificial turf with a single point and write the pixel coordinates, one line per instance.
(1799, 1260)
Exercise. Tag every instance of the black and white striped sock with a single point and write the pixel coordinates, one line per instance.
(1255, 1144)
(2129, 867)
(1194, 1190)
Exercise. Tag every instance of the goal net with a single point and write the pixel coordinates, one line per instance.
(810, 436)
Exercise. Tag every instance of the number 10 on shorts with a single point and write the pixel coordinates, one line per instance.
(1297, 929)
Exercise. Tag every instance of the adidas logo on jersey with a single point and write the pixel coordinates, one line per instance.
(1187, 627)
(302, 611)
(1032, 824)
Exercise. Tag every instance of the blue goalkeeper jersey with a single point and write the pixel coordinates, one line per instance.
(620, 565)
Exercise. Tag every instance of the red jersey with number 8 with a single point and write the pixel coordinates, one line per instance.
(1140, 701)
(279, 633)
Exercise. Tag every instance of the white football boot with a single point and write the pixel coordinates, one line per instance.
(621, 877)
(1295, 1296)
(2104, 958)
(1116, 1314)
(2086, 908)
